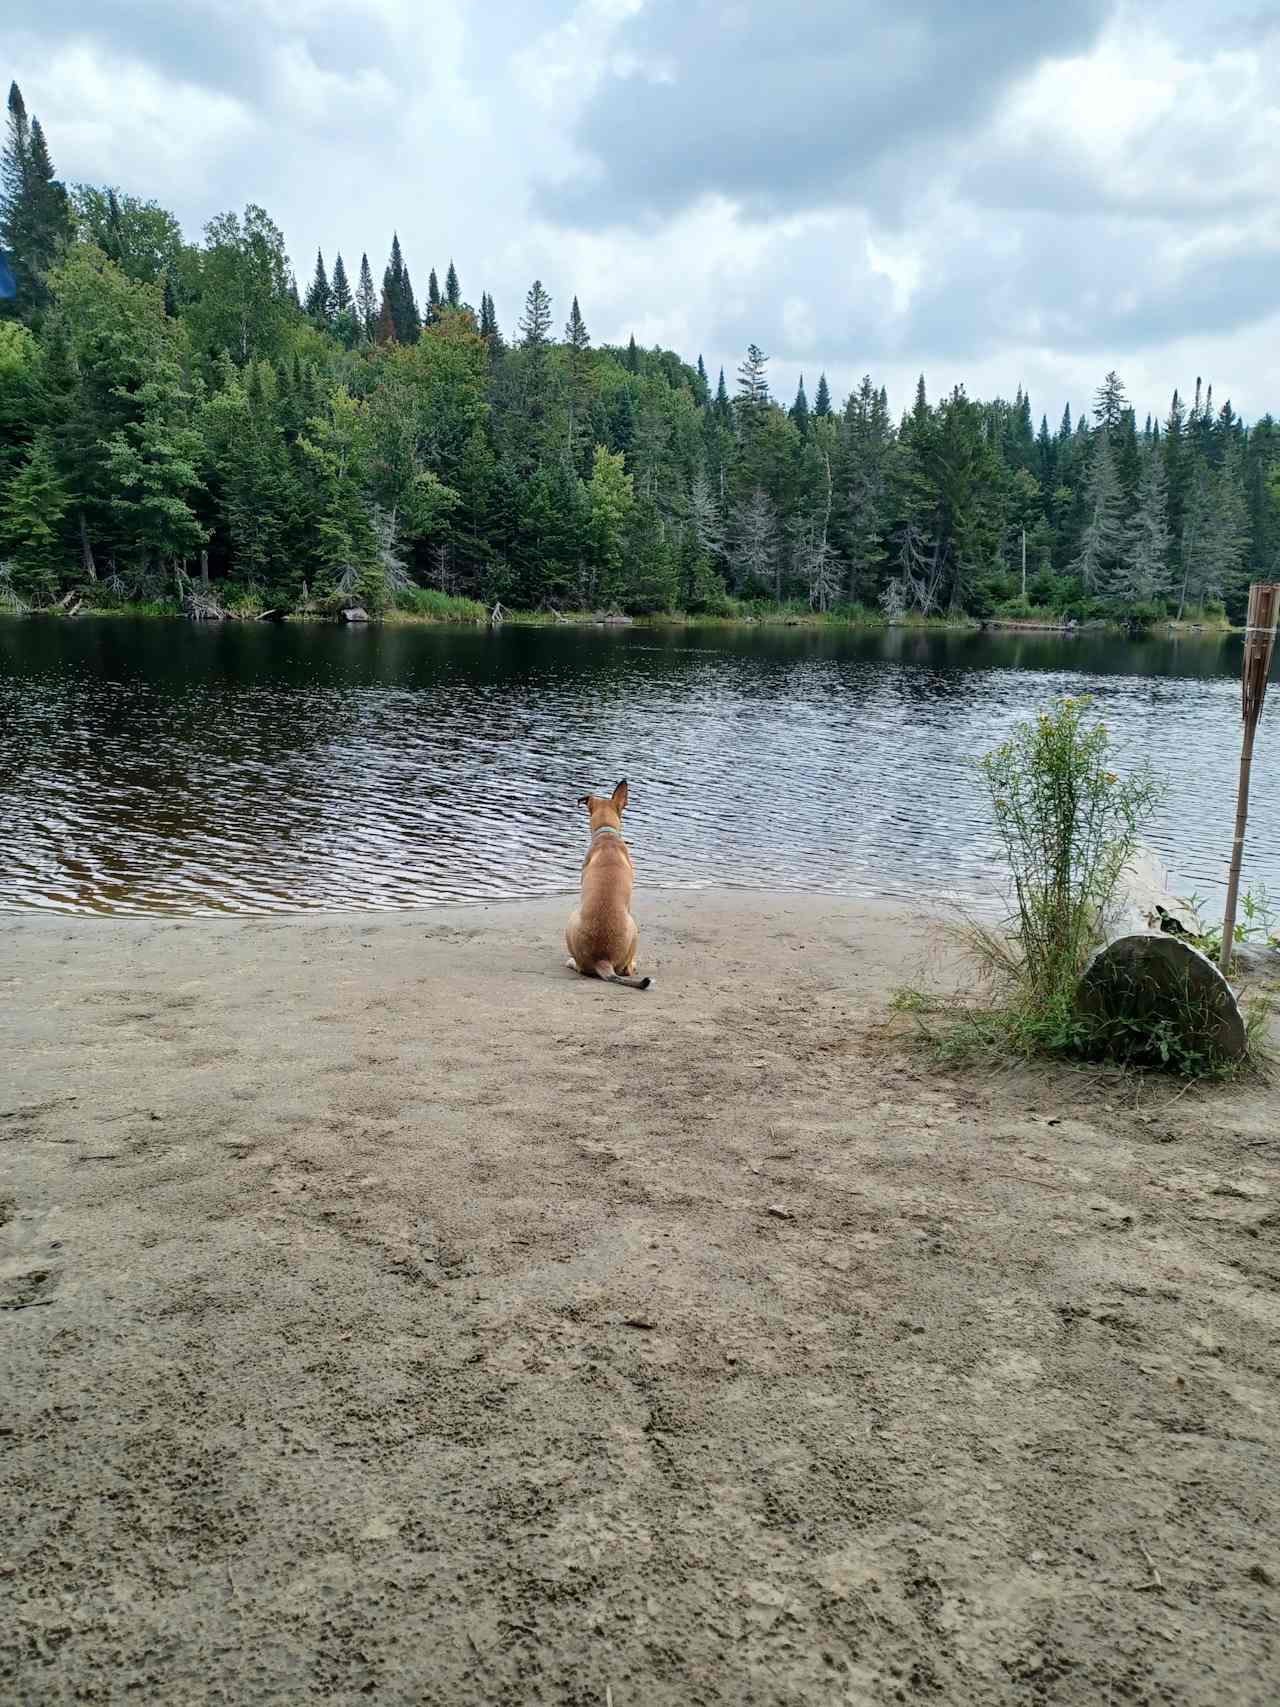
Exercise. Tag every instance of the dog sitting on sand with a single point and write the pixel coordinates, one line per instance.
(602, 937)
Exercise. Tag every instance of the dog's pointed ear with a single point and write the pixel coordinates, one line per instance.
(619, 798)
(583, 800)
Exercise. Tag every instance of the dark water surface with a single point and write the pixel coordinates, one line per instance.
(169, 768)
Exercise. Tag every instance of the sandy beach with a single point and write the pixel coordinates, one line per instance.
(387, 1314)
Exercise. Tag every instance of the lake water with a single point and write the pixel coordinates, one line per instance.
(151, 767)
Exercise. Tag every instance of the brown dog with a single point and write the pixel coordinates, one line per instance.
(601, 936)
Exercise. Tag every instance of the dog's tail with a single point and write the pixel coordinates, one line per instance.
(604, 969)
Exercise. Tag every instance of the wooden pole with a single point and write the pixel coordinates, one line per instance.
(1259, 644)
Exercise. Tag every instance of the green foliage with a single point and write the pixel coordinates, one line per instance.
(143, 239)
(428, 604)
(35, 218)
(1067, 825)
(189, 401)
(238, 290)
(1257, 921)
(32, 530)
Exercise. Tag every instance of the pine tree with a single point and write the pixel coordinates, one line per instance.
(31, 524)
(452, 292)
(753, 385)
(340, 292)
(1177, 469)
(631, 361)
(433, 298)
(1103, 541)
(488, 318)
(920, 408)
(721, 407)
(822, 402)
(384, 331)
(1110, 405)
(702, 374)
(1046, 457)
(35, 219)
(366, 300)
(320, 296)
(576, 335)
(862, 517)
(1143, 573)
(535, 322)
(578, 342)
(408, 319)
(755, 556)
(799, 411)
(398, 297)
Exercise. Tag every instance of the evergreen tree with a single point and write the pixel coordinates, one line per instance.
(32, 516)
(320, 296)
(408, 319)
(1102, 543)
(702, 374)
(1177, 469)
(340, 290)
(384, 331)
(799, 411)
(611, 502)
(366, 300)
(578, 345)
(1143, 573)
(1046, 457)
(35, 218)
(753, 384)
(398, 297)
(721, 406)
(1110, 405)
(535, 322)
(631, 361)
(452, 292)
(489, 326)
(920, 408)
(822, 402)
(754, 555)
(15, 169)
(433, 298)
(255, 491)
(862, 517)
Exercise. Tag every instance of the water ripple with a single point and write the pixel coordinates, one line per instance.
(150, 768)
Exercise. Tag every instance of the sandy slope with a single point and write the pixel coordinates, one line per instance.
(390, 1315)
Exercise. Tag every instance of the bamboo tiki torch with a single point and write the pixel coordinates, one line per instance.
(1259, 642)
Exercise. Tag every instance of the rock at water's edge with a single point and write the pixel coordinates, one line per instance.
(1160, 980)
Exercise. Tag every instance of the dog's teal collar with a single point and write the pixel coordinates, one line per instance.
(606, 830)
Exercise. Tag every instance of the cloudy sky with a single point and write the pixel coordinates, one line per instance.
(998, 193)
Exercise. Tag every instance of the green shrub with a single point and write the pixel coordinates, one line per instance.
(1067, 824)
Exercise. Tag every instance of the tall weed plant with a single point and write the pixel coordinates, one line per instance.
(1068, 825)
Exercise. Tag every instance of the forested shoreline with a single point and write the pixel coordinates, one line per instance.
(182, 428)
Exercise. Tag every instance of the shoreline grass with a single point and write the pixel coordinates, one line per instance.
(427, 607)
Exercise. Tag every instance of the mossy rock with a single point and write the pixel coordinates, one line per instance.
(1157, 1000)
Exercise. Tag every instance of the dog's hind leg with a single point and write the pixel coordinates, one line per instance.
(570, 931)
(633, 950)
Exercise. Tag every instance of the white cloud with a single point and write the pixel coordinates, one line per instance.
(811, 180)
